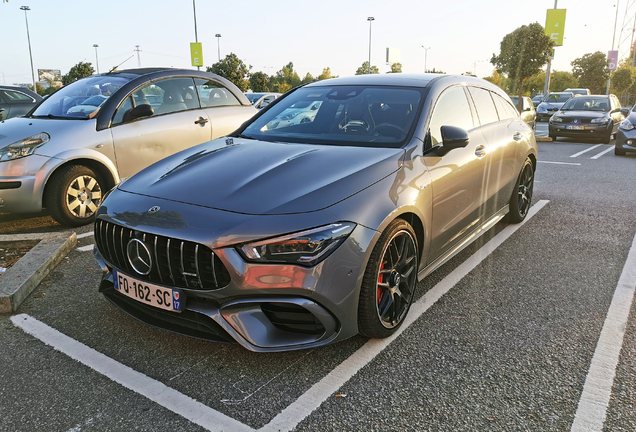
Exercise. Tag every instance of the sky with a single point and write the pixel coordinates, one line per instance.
(462, 35)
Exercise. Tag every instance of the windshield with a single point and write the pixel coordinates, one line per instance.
(586, 104)
(341, 115)
(558, 98)
(80, 99)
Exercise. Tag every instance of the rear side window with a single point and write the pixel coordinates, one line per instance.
(15, 96)
(504, 109)
(486, 110)
(451, 109)
(213, 94)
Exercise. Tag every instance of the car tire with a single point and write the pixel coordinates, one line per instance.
(607, 138)
(619, 151)
(552, 135)
(521, 198)
(389, 281)
(73, 194)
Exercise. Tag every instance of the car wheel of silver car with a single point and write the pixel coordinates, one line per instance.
(522, 194)
(389, 281)
(75, 193)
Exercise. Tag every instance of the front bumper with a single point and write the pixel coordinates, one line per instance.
(626, 140)
(263, 307)
(591, 130)
(22, 184)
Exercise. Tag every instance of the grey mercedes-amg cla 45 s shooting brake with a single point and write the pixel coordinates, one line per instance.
(293, 234)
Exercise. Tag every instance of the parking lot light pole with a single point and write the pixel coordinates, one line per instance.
(425, 55)
(196, 35)
(96, 58)
(218, 44)
(370, 19)
(25, 9)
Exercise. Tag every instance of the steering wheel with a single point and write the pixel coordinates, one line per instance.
(389, 129)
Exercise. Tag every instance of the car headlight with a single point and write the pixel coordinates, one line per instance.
(541, 109)
(555, 119)
(306, 248)
(626, 125)
(599, 120)
(25, 147)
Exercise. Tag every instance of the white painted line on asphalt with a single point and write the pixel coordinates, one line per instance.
(87, 248)
(602, 153)
(590, 414)
(585, 151)
(559, 163)
(291, 416)
(156, 391)
(86, 234)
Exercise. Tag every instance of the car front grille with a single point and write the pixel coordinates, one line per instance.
(177, 263)
(571, 119)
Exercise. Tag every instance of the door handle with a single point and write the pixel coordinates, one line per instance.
(201, 120)
(480, 151)
(517, 136)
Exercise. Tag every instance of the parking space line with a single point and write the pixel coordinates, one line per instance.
(291, 416)
(590, 414)
(559, 163)
(86, 234)
(585, 151)
(86, 248)
(602, 153)
(154, 390)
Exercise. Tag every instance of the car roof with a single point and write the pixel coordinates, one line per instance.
(406, 80)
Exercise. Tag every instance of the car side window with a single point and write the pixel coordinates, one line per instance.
(504, 109)
(485, 106)
(213, 94)
(451, 109)
(14, 96)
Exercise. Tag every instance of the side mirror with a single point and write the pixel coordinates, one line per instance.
(452, 137)
(624, 111)
(144, 110)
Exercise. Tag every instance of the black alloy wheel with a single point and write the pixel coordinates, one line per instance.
(522, 194)
(389, 281)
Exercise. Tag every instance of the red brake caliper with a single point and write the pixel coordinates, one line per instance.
(380, 280)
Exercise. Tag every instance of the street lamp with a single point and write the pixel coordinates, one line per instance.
(218, 43)
(370, 19)
(425, 55)
(25, 9)
(96, 58)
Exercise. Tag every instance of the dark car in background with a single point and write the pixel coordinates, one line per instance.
(526, 111)
(587, 117)
(626, 134)
(16, 101)
(286, 236)
(537, 99)
(551, 104)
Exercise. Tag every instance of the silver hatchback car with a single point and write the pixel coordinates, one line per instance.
(79, 142)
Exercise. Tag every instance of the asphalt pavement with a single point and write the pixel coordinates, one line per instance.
(502, 337)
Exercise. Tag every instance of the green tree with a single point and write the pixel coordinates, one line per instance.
(623, 79)
(286, 78)
(326, 74)
(560, 80)
(80, 70)
(591, 71)
(534, 84)
(396, 68)
(308, 79)
(259, 82)
(364, 69)
(233, 69)
(522, 54)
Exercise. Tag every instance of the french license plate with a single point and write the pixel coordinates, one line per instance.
(575, 127)
(147, 293)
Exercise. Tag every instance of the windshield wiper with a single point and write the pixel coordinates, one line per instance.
(51, 116)
(245, 136)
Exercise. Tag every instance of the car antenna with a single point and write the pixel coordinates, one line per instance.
(120, 64)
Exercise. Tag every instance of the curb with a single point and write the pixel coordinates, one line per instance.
(25, 275)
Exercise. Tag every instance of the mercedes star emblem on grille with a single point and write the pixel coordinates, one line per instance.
(154, 209)
(139, 256)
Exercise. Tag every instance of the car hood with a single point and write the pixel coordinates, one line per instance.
(583, 114)
(19, 128)
(264, 178)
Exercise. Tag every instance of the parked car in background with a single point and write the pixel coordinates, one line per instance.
(537, 99)
(587, 117)
(579, 91)
(16, 101)
(261, 100)
(528, 113)
(551, 104)
(313, 232)
(626, 134)
(80, 141)
(300, 112)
